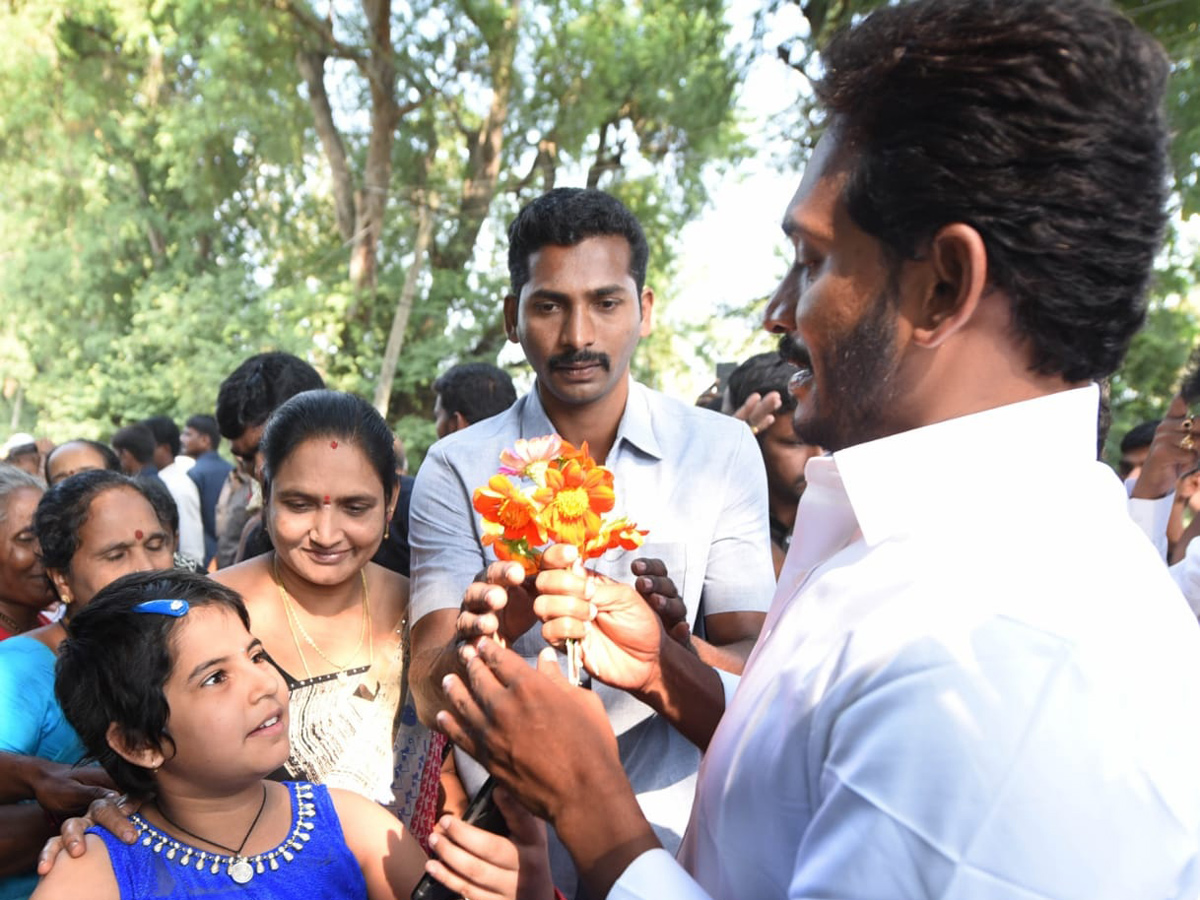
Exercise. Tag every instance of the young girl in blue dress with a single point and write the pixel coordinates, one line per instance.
(170, 692)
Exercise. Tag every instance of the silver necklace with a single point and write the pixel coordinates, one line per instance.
(240, 868)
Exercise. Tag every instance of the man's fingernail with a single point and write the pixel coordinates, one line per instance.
(433, 840)
(592, 612)
(484, 642)
(446, 682)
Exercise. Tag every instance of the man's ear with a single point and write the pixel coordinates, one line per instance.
(647, 313)
(958, 259)
(510, 317)
(460, 422)
(140, 755)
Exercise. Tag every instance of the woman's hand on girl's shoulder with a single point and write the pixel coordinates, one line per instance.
(90, 875)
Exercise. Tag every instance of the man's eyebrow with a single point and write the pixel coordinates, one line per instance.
(606, 290)
(797, 230)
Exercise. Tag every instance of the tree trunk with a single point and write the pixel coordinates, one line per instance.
(404, 305)
(483, 167)
(312, 69)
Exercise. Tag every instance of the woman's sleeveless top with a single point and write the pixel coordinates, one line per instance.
(343, 725)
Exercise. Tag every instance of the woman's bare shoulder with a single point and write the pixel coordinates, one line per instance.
(391, 587)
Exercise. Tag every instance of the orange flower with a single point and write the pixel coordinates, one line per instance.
(569, 451)
(502, 503)
(515, 551)
(619, 533)
(572, 501)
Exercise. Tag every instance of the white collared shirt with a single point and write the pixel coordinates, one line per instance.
(976, 681)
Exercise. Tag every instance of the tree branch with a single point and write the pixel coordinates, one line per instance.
(312, 68)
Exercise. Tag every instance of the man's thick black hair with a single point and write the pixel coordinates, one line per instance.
(207, 426)
(1037, 122)
(477, 390)
(1139, 436)
(763, 372)
(564, 217)
(165, 431)
(257, 387)
(138, 440)
(114, 663)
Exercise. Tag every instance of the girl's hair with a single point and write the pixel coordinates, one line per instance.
(116, 660)
(333, 415)
(12, 480)
(63, 510)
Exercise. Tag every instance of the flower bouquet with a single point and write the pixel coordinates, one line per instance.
(550, 492)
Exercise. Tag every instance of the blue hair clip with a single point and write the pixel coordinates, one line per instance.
(175, 608)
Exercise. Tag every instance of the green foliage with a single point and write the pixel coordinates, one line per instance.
(168, 206)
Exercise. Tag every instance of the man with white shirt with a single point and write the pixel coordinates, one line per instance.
(966, 686)
(172, 469)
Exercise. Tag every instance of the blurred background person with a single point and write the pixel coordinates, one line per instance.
(24, 589)
(172, 471)
(200, 439)
(469, 393)
(79, 455)
(784, 454)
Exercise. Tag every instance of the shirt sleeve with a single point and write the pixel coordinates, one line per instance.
(21, 709)
(740, 576)
(443, 537)
(653, 875)
(1186, 573)
(1152, 516)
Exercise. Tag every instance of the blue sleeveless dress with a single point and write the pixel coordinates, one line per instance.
(312, 862)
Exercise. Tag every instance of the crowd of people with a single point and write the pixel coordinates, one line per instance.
(866, 648)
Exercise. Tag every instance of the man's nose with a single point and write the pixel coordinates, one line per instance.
(780, 314)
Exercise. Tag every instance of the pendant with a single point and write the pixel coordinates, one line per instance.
(240, 870)
(366, 693)
(341, 676)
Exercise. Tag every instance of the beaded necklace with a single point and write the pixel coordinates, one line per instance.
(240, 868)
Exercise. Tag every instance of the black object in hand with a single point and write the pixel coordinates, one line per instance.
(482, 813)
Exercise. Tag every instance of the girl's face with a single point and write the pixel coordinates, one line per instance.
(121, 535)
(22, 579)
(228, 719)
(326, 514)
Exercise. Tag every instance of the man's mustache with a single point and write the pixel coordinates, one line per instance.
(580, 358)
(792, 351)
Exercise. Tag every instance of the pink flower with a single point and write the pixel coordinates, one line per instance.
(530, 458)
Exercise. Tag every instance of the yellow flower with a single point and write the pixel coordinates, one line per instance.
(573, 500)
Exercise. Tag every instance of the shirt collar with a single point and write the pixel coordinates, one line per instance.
(636, 427)
(894, 482)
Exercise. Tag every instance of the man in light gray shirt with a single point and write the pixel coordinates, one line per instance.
(693, 478)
